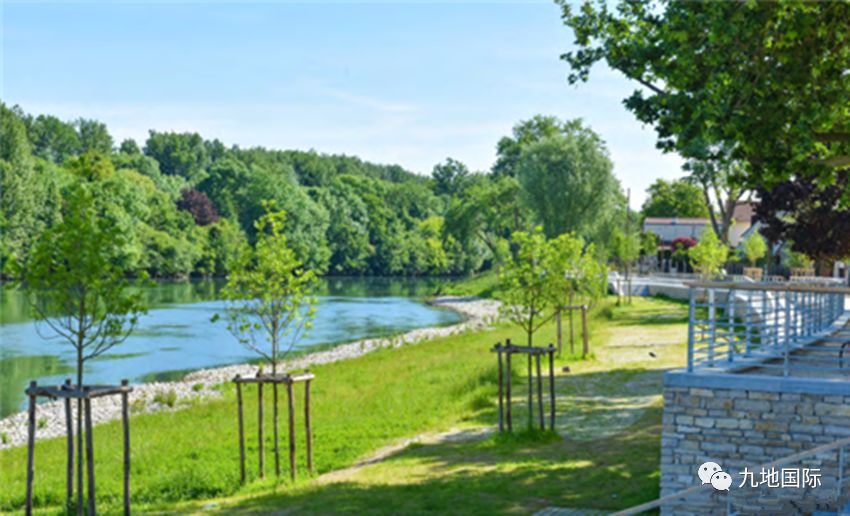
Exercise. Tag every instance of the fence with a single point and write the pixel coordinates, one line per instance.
(786, 328)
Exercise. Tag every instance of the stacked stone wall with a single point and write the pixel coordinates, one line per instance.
(739, 428)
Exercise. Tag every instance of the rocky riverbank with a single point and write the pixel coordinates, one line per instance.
(199, 385)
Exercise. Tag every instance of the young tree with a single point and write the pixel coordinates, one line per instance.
(754, 248)
(626, 249)
(78, 287)
(576, 277)
(709, 255)
(268, 292)
(526, 283)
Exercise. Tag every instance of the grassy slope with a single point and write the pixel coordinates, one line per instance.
(609, 416)
(365, 403)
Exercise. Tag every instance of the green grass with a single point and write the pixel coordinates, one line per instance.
(183, 459)
(485, 284)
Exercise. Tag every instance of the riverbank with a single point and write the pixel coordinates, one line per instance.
(608, 421)
(205, 384)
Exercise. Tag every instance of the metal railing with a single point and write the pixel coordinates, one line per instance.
(828, 460)
(769, 325)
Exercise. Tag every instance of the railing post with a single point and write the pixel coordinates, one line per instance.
(730, 331)
(787, 333)
(748, 322)
(691, 322)
(712, 326)
(840, 474)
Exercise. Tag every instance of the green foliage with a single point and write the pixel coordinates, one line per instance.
(576, 276)
(567, 181)
(344, 216)
(75, 271)
(795, 260)
(754, 248)
(269, 306)
(677, 198)
(735, 66)
(544, 275)
(180, 154)
(449, 177)
(166, 397)
(649, 242)
(709, 255)
(526, 283)
(626, 247)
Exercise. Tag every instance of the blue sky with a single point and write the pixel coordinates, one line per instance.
(406, 83)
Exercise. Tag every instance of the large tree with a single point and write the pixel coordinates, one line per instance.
(568, 182)
(677, 198)
(767, 78)
(449, 177)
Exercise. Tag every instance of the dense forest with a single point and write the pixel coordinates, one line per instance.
(186, 205)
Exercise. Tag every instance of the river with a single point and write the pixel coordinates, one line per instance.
(176, 334)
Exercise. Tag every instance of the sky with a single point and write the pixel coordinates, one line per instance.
(406, 83)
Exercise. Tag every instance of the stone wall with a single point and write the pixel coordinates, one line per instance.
(748, 427)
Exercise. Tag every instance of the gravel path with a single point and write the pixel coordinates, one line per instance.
(198, 385)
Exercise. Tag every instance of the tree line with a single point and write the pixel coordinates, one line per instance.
(186, 205)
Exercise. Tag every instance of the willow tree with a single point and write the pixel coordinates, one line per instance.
(79, 290)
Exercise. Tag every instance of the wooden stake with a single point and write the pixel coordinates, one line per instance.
(30, 449)
(241, 430)
(276, 439)
(501, 375)
(572, 333)
(508, 385)
(89, 453)
(585, 347)
(125, 416)
(560, 333)
(307, 426)
(69, 430)
(540, 394)
(530, 391)
(291, 430)
(260, 430)
(551, 387)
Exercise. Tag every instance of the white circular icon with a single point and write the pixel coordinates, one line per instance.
(707, 470)
(721, 481)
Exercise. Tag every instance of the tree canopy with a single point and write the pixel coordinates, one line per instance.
(678, 198)
(767, 80)
(187, 205)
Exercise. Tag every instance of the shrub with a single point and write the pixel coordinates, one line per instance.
(167, 398)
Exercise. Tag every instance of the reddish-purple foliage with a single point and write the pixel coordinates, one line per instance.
(811, 216)
(685, 242)
(199, 205)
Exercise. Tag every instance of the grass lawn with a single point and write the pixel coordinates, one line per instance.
(606, 456)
